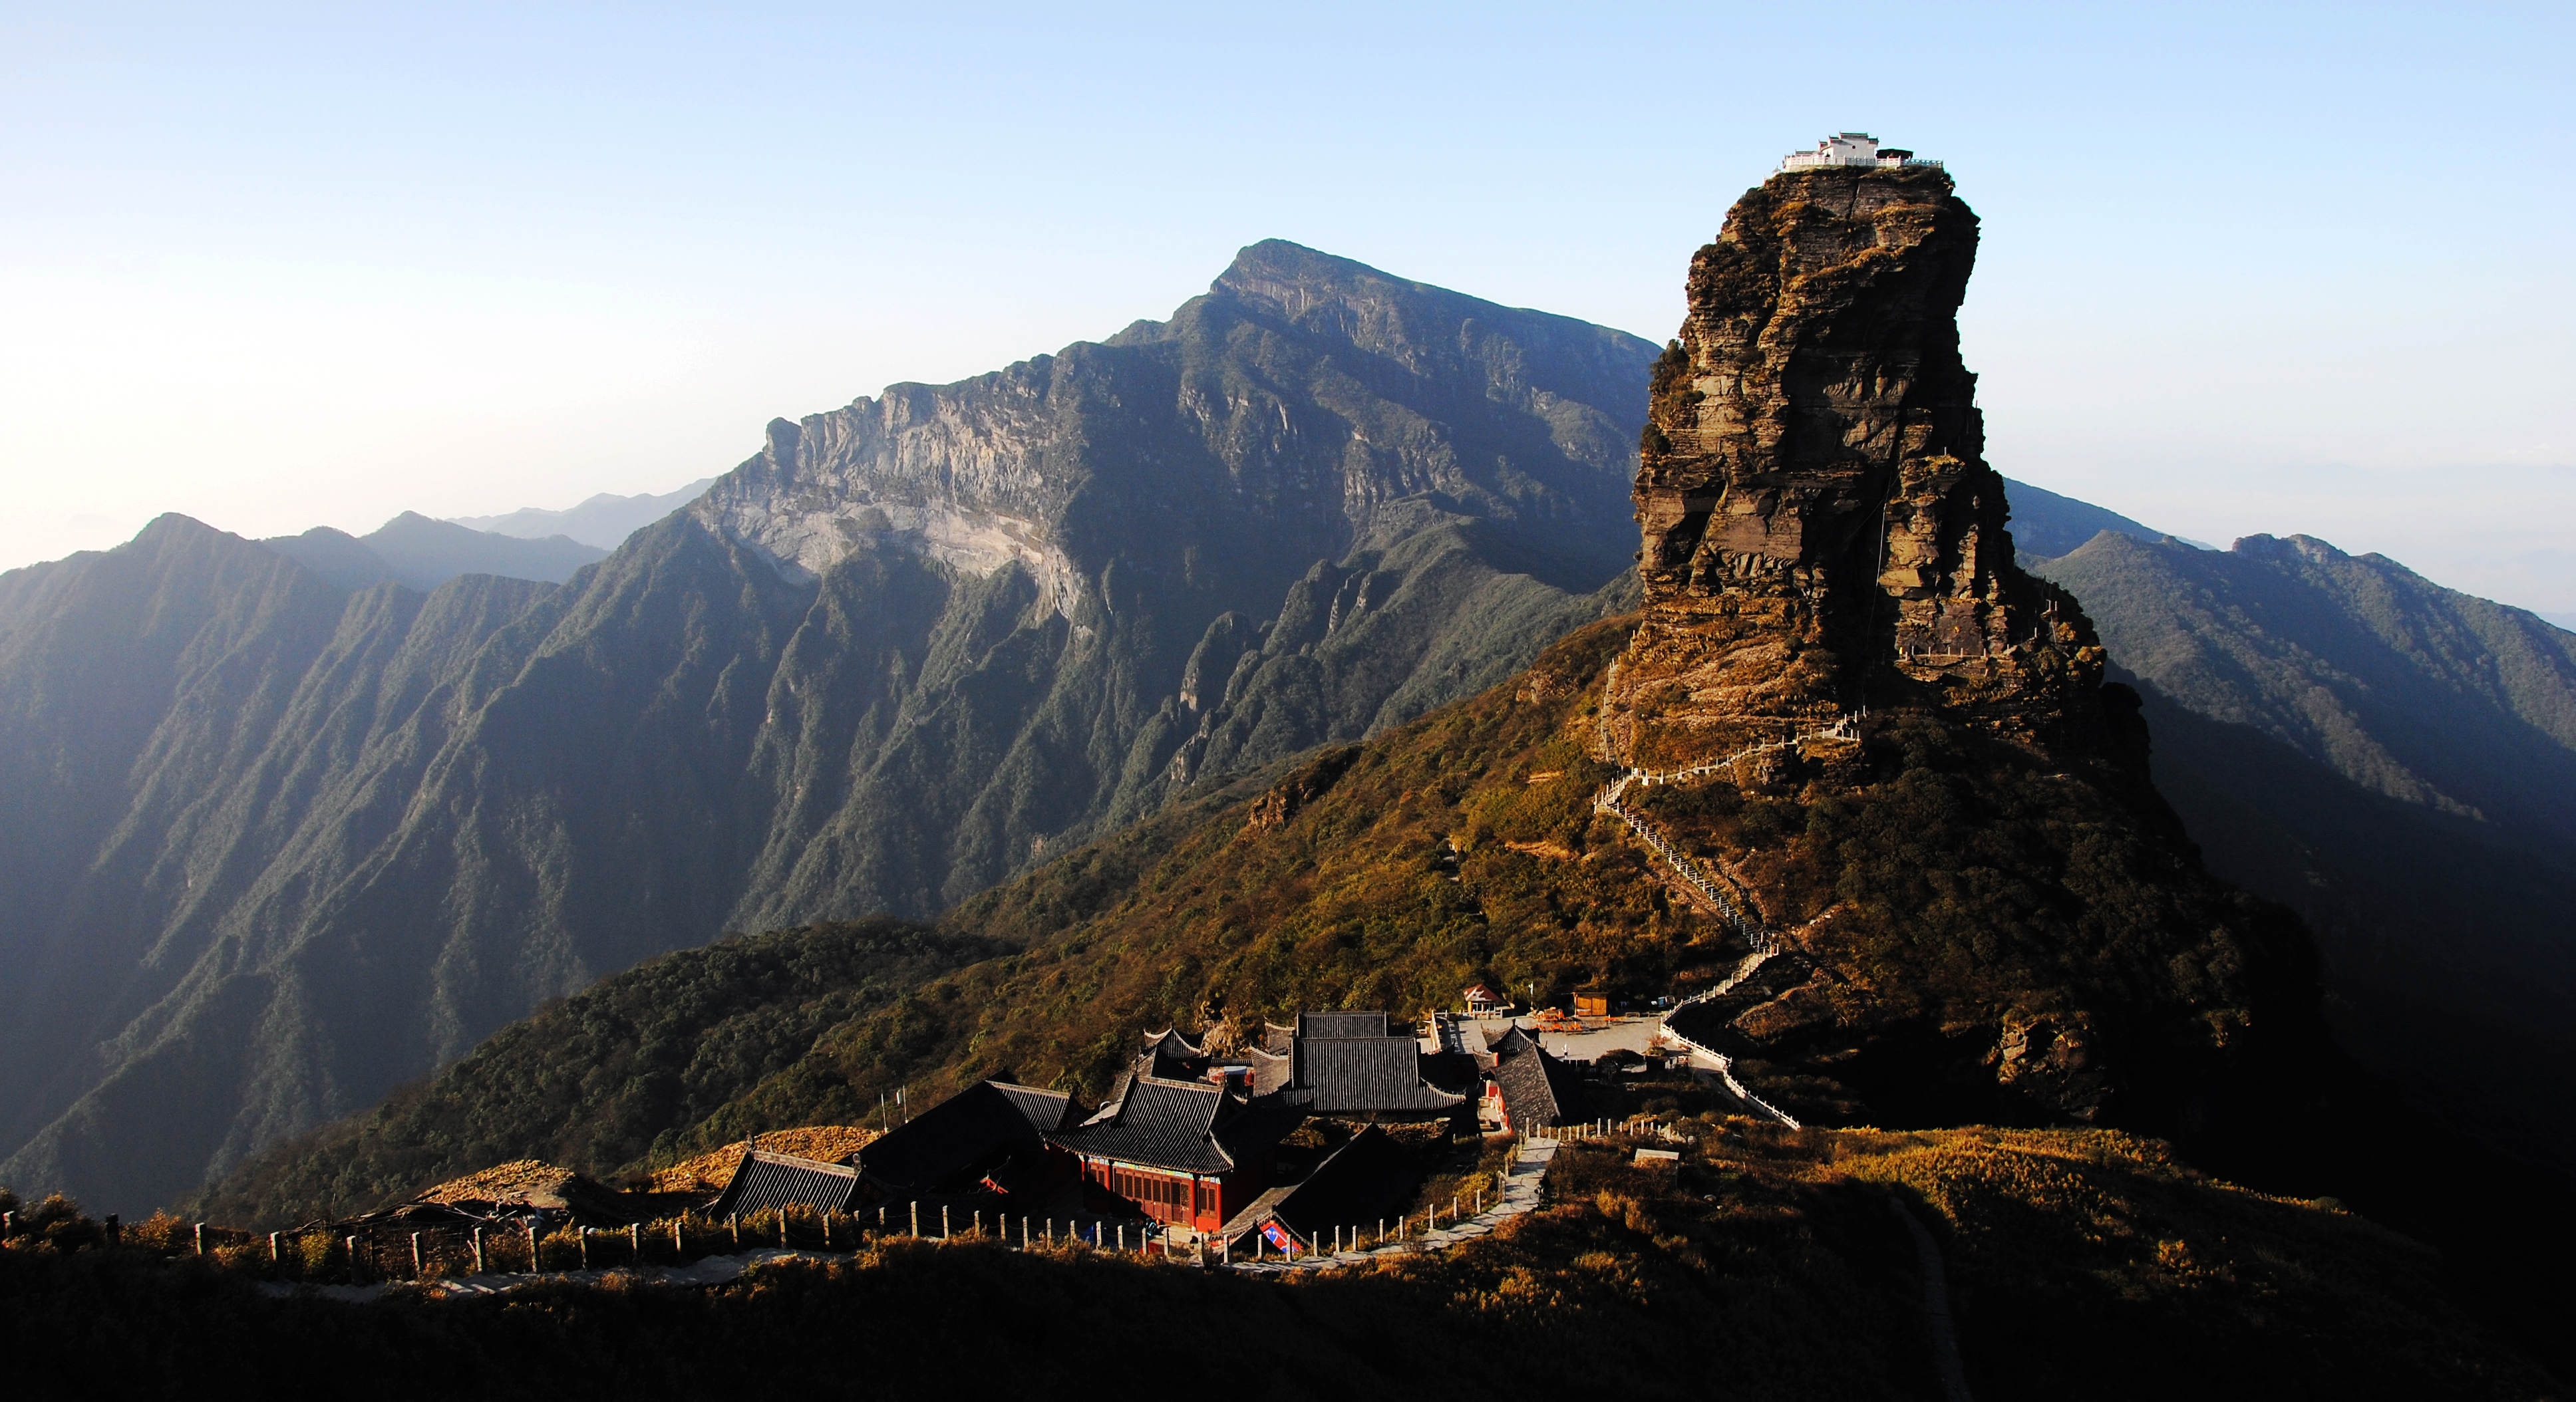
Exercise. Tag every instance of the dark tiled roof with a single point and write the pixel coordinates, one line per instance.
(1512, 1043)
(1360, 1075)
(958, 1140)
(1171, 1056)
(1539, 1090)
(1454, 1072)
(1270, 1072)
(1159, 1124)
(766, 1180)
(1314, 1025)
(1359, 1183)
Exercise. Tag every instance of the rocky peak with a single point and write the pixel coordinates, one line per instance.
(1821, 530)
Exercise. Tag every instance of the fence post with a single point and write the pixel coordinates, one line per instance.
(677, 1250)
(415, 1256)
(536, 1253)
(584, 1238)
(635, 1243)
(200, 1235)
(272, 1248)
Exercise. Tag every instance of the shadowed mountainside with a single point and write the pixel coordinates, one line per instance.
(2393, 760)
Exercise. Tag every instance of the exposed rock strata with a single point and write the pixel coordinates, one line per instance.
(1822, 537)
(1821, 530)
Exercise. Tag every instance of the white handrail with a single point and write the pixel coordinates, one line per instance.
(1612, 800)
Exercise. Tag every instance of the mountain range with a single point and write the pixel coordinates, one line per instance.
(602, 522)
(421, 554)
(275, 843)
(329, 830)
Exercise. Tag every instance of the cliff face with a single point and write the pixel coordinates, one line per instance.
(1823, 540)
(1821, 530)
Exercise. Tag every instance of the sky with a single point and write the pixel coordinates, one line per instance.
(2245, 268)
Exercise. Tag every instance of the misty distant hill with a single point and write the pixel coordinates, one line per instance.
(412, 549)
(605, 520)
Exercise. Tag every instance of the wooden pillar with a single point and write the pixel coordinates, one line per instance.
(350, 1244)
(200, 1235)
(478, 1248)
(943, 1221)
(916, 1218)
(416, 1270)
(272, 1248)
(536, 1251)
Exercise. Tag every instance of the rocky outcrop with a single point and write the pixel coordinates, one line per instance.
(1822, 539)
(1821, 530)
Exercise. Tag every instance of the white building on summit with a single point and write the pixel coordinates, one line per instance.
(1851, 148)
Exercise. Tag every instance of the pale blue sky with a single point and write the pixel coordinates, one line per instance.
(2246, 268)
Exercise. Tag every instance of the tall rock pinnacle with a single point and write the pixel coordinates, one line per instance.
(1821, 530)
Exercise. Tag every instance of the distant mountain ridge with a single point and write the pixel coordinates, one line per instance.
(603, 521)
(2397, 762)
(273, 846)
(414, 550)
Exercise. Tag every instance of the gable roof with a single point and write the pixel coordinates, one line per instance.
(1539, 1090)
(966, 1135)
(1172, 1056)
(1318, 1025)
(768, 1180)
(1159, 1123)
(1363, 1181)
(1270, 1071)
(1361, 1075)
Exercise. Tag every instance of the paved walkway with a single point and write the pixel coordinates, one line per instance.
(1520, 1194)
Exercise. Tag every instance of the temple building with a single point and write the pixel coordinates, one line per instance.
(1851, 148)
(1532, 1090)
(764, 1181)
(989, 1139)
(1186, 1153)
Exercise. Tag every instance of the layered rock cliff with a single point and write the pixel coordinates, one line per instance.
(1821, 530)
(1899, 758)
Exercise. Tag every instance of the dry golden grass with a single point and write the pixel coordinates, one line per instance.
(709, 1172)
(532, 1181)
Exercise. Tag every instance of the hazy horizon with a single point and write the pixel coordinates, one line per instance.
(2241, 273)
